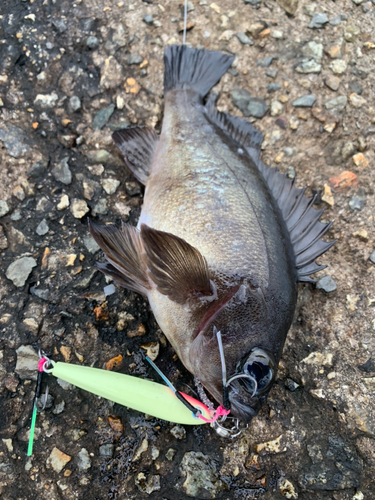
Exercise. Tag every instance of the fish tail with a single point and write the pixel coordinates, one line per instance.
(196, 69)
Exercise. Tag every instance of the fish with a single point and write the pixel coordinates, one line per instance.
(222, 240)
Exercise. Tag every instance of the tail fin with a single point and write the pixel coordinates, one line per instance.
(198, 69)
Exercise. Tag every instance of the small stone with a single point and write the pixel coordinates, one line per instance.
(170, 454)
(63, 203)
(272, 73)
(276, 108)
(90, 189)
(142, 448)
(74, 104)
(351, 33)
(20, 270)
(357, 202)
(61, 172)
(19, 193)
(335, 21)
(148, 19)
(132, 188)
(102, 117)
(362, 234)
(101, 208)
(326, 284)
(290, 6)
(178, 432)
(4, 208)
(106, 450)
(344, 180)
(47, 101)
(291, 384)
(202, 479)
(244, 39)
(152, 349)
(309, 66)
(134, 58)
(278, 35)
(110, 185)
(139, 332)
(57, 460)
(338, 66)
(306, 101)
(291, 172)
(333, 82)
(27, 362)
(92, 42)
(360, 160)
(79, 208)
(337, 104)
(111, 75)
(351, 302)
(319, 359)
(90, 244)
(270, 447)
(313, 50)
(372, 257)
(147, 485)
(265, 63)
(318, 21)
(83, 460)
(334, 51)
(42, 228)
(287, 489)
(327, 195)
(38, 169)
(356, 100)
(356, 87)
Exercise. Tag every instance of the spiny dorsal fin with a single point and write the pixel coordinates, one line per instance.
(178, 269)
(301, 219)
(123, 250)
(197, 69)
(137, 144)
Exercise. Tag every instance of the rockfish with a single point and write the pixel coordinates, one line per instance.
(222, 240)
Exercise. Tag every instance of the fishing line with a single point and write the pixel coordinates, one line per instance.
(185, 23)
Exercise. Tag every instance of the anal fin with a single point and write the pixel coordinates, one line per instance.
(137, 145)
(178, 269)
(123, 250)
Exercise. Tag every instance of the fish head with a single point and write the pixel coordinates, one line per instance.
(251, 351)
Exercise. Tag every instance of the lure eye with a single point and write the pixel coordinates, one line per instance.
(260, 367)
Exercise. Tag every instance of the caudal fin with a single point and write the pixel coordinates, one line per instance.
(197, 69)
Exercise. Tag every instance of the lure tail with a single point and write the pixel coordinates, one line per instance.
(194, 69)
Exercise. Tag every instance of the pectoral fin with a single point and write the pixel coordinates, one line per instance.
(178, 269)
(123, 250)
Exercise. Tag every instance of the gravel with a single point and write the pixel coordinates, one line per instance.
(61, 171)
(306, 101)
(20, 270)
(327, 284)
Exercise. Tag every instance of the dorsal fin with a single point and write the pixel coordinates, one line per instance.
(301, 219)
(178, 269)
(137, 144)
(123, 250)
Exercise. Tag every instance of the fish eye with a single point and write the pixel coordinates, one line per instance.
(259, 366)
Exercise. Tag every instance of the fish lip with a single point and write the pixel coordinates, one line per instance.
(213, 312)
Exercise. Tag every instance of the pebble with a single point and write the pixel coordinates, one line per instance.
(74, 104)
(132, 188)
(290, 6)
(27, 362)
(334, 51)
(83, 460)
(20, 270)
(276, 108)
(63, 203)
(110, 185)
(327, 284)
(337, 104)
(327, 195)
(368, 366)
(15, 140)
(319, 359)
(355, 87)
(170, 454)
(90, 189)
(265, 63)
(291, 384)
(148, 19)
(356, 100)
(92, 42)
(111, 74)
(178, 432)
(134, 58)
(306, 101)
(101, 156)
(372, 257)
(272, 73)
(318, 21)
(309, 66)
(273, 87)
(291, 172)
(250, 106)
(200, 473)
(61, 172)
(4, 208)
(102, 117)
(101, 208)
(42, 228)
(244, 39)
(278, 35)
(287, 489)
(147, 484)
(46, 101)
(57, 460)
(313, 50)
(19, 193)
(38, 169)
(335, 21)
(79, 208)
(333, 82)
(90, 244)
(338, 66)
(360, 160)
(351, 33)
(106, 450)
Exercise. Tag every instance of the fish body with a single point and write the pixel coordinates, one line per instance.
(222, 239)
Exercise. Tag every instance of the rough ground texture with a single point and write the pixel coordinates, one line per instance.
(70, 73)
